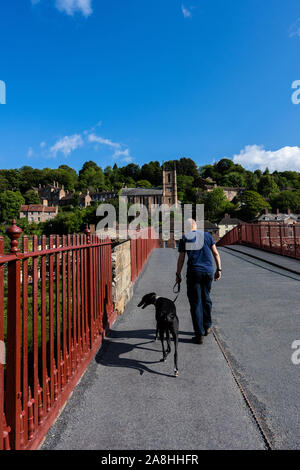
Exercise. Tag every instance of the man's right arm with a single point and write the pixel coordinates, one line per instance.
(218, 262)
(180, 261)
(180, 264)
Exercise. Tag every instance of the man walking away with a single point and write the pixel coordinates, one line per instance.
(200, 274)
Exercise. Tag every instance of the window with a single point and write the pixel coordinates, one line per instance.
(169, 178)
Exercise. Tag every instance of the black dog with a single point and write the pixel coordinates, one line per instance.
(166, 322)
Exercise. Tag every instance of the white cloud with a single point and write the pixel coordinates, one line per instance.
(128, 159)
(72, 6)
(66, 145)
(295, 29)
(30, 152)
(120, 151)
(186, 12)
(99, 140)
(256, 157)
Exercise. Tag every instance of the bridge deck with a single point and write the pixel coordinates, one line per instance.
(129, 400)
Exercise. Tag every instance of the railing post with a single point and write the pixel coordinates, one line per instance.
(280, 235)
(260, 235)
(295, 240)
(239, 234)
(2, 346)
(270, 238)
(90, 286)
(13, 371)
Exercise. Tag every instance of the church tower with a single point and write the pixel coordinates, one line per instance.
(170, 187)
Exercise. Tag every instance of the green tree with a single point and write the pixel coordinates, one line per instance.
(3, 183)
(224, 166)
(30, 228)
(215, 204)
(184, 166)
(130, 183)
(233, 178)
(131, 171)
(91, 176)
(31, 197)
(267, 186)
(252, 204)
(64, 223)
(152, 172)
(10, 204)
(186, 190)
(286, 200)
(208, 171)
(251, 181)
(144, 184)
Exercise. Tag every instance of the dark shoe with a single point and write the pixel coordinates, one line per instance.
(207, 331)
(197, 339)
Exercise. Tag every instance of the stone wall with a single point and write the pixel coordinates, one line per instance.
(121, 271)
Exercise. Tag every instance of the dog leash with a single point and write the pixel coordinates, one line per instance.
(178, 284)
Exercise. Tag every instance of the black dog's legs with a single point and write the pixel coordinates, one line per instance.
(175, 338)
(165, 352)
(156, 334)
(168, 342)
(161, 336)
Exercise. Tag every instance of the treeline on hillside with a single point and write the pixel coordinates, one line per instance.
(261, 190)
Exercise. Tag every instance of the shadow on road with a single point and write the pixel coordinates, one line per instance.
(111, 351)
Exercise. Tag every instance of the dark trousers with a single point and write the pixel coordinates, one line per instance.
(198, 291)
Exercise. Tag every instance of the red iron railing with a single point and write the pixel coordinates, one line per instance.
(141, 248)
(55, 306)
(277, 238)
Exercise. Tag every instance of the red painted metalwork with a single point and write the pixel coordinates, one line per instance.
(2, 427)
(277, 238)
(56, 295)
(13, 340)
(141, 247)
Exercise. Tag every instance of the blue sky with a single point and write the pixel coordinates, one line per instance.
(116, 81)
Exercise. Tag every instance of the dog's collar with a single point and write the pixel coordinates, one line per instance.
(156, 299)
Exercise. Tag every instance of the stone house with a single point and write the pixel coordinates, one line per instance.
(38, 213)
(167, 195)
(227, 224)
(284, 218)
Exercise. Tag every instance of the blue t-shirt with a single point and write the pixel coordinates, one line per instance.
(199, 256)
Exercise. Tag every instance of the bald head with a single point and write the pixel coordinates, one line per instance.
(191, 224)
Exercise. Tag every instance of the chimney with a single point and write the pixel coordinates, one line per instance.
(277, 211)
(266, 212)
(289, 211)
